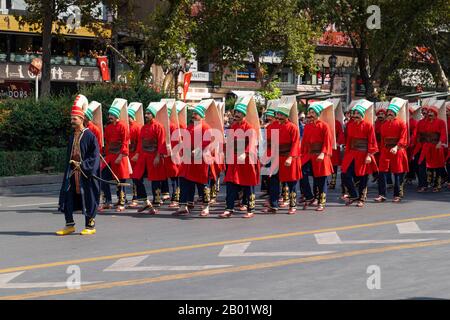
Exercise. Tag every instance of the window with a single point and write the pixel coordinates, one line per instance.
(246, 74)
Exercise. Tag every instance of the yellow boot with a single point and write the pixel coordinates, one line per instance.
(66, 231)
(87, 232)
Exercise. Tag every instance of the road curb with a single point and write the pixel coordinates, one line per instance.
(30, 180)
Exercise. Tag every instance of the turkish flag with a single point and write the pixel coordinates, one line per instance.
(102, 63)
(187, 82)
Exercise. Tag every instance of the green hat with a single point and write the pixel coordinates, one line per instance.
(200, 110)
(151, 109)
(132, 114)
(270, 113)
(394, 108)
(242, 108)
(316, 107)
(284, 109)
(114, 111)
(89, 114)
(360, 109)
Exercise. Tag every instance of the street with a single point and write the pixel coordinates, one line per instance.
(383, 251)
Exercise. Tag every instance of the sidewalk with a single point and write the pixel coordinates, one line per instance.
(38, 179)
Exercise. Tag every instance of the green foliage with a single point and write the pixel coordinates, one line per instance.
(32, 126)
(229, 29)
(13, 163)
(381, 52)
(229, 103)
(272, 91)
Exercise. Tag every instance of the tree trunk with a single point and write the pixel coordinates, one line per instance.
(48, 6)
(147, 69)
(440, 73)
(362, 63)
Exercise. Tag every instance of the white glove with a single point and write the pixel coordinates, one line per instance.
(241, 158)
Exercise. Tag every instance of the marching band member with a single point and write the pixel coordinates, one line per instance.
(432, 135)
(243, 169)
(151, 148)
(136, 121)
(316, 151)
(360, 147)
(392, 146)
(117, 164)
(194, 173)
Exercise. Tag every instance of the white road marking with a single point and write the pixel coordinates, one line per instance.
(130, 265)
(413, 228)
(31, 204)
(6, 278)
(333, 238)
(238, 250)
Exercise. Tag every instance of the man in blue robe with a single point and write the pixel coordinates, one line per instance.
(80, 189)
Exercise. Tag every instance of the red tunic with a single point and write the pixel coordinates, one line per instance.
(448, 141)
(412, 136)
(289, 144)
(317, 139)
(151, 142)
(420, 127)
(196, 172)
(172, 170)
(135, 130)
(362, 130)
(395, 163)
(245, 174)
(116, 142)
(378, 125)
(340, 139)
(98, 134)
(434, 157)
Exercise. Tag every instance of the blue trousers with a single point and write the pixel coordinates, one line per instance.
(232, 195)
(320, 186)
(274, 192)
(349, 181)
(120, 192)
(187, 192)
(398, 183)
(73, 203)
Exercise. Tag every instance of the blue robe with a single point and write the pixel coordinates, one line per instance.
(90, 187)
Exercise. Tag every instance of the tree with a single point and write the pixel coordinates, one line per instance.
(165, 39)
(44, 16)
(380, 52)
(228, 30)
(434, 35)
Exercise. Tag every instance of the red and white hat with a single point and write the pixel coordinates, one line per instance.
(79, 105)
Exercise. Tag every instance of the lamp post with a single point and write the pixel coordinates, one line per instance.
(332, 61)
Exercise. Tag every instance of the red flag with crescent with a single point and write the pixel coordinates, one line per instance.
(102, 62)
(187, 82)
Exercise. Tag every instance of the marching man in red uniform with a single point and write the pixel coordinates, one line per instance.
(136, 121)
(336, 158)
(447, 108)
(273, 189)
(360, 147)
(316, 151)
(150, 162)
(194, 171)
(392, 146)
(432, 135)
(413, 121)
(172, 169)
(243, 169)
(116, 164)
(288, 158)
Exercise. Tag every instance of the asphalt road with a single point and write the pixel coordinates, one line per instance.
(384, 251)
